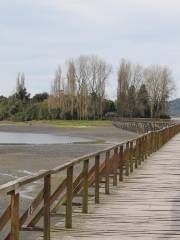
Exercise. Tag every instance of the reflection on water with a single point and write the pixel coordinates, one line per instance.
(32, 138)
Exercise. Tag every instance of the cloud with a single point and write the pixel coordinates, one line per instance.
(36, 36)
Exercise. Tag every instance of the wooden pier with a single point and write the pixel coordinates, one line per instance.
(127, 191)
(145, 206)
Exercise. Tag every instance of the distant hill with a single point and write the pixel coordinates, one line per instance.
(174, 107)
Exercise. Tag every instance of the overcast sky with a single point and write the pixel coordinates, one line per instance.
(38, 35)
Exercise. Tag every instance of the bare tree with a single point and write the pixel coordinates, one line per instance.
(124, 81)
(71, 86)
(98, 73)
(56, 98)
(82, 86)
(104, 71)
(166, 89)
(159, 84)
(137, 76)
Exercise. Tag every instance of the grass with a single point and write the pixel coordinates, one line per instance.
(65, 123)
(98, 141)
(75, 123)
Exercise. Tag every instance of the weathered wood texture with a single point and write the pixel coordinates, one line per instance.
(145, 206)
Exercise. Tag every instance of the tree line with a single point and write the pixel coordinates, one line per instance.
(143, 91)
(79, 92)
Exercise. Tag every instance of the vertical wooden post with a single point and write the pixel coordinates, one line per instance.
(165, 135)
(69, 194)
(121, 163)
(47, 195)
(136, 153)
(146, 146)
(115, 165)
(156, 141)
(131, 156)
(153, 137)
(85, 186)
(107, 173)
(152, 142)
(14, 215)
(161, 137)
(127, 159)
(140, 149)
(149, 143)
(143, 148)
(97, 178)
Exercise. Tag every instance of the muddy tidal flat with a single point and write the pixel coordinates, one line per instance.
(20, 159)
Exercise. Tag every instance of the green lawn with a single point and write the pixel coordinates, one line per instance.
(65, 123)
(75, 123)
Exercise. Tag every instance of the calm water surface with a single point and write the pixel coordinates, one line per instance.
(32, 138)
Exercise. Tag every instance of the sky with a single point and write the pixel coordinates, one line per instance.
(38, 35)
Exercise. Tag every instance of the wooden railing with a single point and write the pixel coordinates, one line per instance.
(142, 125)
(95, 169)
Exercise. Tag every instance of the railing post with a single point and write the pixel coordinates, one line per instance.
(97, 178)
(146, 146)
(107, 173)
(164, 136)
(47, 195)
(143, 148)
(159, 139)
(131, 156)
(115, 165)
(85, 186)
(139, 151)
(154, 141)
(136, 153)
(168, 135)
(121, 163)
(149, 143)
(127, 159)
(69, 194)
(14, 216)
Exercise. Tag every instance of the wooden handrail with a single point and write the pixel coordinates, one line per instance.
(142, 125)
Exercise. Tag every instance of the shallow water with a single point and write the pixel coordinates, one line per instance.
(33, 138)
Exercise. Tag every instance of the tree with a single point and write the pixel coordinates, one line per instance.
(160, 85)
(21, 91)
(124, 78)
(82, 75)
(71, 87)
(131, 101)
(104, 71)
(143, 105)
(136, 76)
(40, 97)
(56, 98)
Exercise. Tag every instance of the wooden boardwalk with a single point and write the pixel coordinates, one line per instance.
(145, 206)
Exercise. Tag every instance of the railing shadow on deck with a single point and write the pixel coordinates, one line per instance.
(113, 162)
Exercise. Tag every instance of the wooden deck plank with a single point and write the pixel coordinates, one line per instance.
(145, 206)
